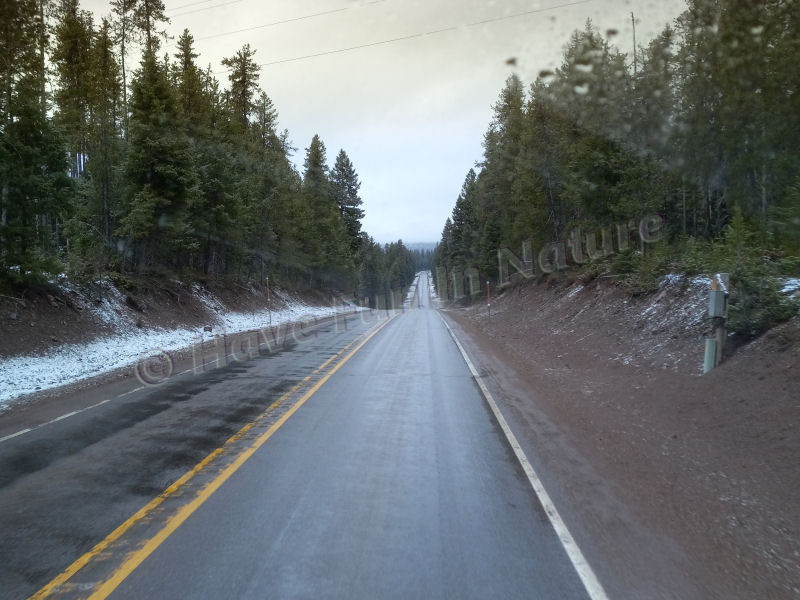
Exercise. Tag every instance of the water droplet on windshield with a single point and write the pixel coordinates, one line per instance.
(584, 67)
(546, 75)
(757, 30)
(581, 89)
(611, 33)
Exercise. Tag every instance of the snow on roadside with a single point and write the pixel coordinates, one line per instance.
(791, 285)
(70, 363)
(411, 294)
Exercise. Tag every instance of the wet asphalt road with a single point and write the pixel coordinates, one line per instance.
(392, 481)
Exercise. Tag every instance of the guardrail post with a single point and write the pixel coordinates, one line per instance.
(718, 311)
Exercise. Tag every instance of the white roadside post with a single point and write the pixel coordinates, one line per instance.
(718, 311)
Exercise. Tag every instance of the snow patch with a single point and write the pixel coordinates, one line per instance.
(790, 286)
(671, 279)
(575, 290)
(70, 363)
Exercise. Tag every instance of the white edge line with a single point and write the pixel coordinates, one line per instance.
(13, 435)
(593, 586)
(66, 416)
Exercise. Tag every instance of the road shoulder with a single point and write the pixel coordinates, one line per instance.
(632, 556)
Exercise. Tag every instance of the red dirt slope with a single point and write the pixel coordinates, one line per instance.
(679, 485)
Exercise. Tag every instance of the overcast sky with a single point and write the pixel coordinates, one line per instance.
(411, 113)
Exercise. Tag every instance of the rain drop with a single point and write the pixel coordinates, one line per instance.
(584, 67)
(611, 33)
(546, 75)
(757, 30)
(582, 89)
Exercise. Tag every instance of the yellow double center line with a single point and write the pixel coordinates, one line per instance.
(63, 583)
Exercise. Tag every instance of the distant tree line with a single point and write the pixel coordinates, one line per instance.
(158, 169)
(422, 259)
(697, 127)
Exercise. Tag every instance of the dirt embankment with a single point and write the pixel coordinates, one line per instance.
(707, 463)
(48, 316)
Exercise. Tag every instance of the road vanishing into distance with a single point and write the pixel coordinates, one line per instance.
(359, 459)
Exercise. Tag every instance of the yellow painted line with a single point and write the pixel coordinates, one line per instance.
(134, 559)
(170, 491)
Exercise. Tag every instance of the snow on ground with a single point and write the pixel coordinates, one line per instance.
(791, 285)
(411, 295)
(70, 363)
(431, 287)
(576, 289)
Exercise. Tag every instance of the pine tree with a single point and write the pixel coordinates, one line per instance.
(344, 187)
(146, 17)
(243, 77)
(464, 230)
(159, 173)
(265, 125)
(71, 57)
(654, 107)
(698, 114)
(125, 35)
(321, 209)
(192, 90)
(371, 270)
(34, 188)
(92, 226)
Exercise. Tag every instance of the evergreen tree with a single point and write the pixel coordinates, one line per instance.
(71, 57)
(192, 89)
(243, 77)
(265, 125)
(327, 246)
(94, 221)
(146, 17)
(344, 187)
(159, 173)
(34, 189)
(654, 107)
(125, 35)
(463, 234)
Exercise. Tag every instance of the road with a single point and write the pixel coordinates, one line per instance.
(380, 472)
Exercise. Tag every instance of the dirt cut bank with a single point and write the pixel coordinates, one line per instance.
(681, 485)
(61, 334)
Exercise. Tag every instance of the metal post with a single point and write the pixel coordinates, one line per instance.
(489, 298)
(269, 303)
(718, 311)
